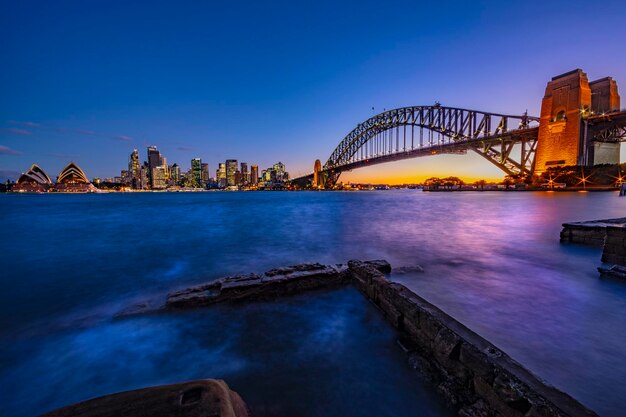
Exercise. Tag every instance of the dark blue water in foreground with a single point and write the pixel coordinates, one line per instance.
(492, 260)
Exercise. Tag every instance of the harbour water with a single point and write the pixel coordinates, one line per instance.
(492, 260)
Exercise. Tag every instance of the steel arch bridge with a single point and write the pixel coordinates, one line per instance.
(410, 132)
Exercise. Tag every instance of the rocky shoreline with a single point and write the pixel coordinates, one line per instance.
(475, 377)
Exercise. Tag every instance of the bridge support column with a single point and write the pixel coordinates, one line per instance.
(560, 140)
(563, 133)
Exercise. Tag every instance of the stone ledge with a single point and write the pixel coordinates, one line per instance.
(201, 398)
(589, 232)
(473, 374)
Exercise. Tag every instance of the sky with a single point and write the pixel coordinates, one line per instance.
(262, 82)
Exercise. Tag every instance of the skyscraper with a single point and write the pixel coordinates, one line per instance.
(159, 177)
(134, 170)
(205, 174)
(154, 159)
(175, 174)
(196, 172)
(254, 174)
(220, 175)
(231, 169)
(245, 175)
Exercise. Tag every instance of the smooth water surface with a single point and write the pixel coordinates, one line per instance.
(492, 260)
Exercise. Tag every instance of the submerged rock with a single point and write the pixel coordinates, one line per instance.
(614, 271)
(273, 283)
(408, 269)
(202, 398)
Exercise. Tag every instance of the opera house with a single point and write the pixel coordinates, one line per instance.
(72, 179)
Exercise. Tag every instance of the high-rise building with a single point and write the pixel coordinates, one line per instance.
(279, 170)
(231, 169)
(220, 175)
(205, 174)
(125, 177)
(134, 168)
(159, 177)
(254, 174)
(154, 160)
(245, 175)
(196, 172)
(175, 174)
(143, 177)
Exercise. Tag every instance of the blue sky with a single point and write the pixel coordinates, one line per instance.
(266, 81)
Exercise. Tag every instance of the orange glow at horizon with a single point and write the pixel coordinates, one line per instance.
(470, 168)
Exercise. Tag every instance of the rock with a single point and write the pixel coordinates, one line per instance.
(306, 267)
(614, 271)
(201, 295)
(408, 269)
(380, 264)
(274, 283)
(202, 398)
(136, 309)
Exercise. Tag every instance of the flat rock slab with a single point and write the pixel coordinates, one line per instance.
(202, 398)
(273, 283)
(619, 222)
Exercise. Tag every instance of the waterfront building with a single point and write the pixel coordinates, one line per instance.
(143, 177)
(72, 179)
(125, 177)
(175, 174)
(134, 170)
(220, 175)
(159, 177)
(280, 173)
(205, 174)
(254, 174)
(275, 174)
(238, 178)
(231, 169)
(34, 180)
(155, 159)
(245, 175)
(196, 172)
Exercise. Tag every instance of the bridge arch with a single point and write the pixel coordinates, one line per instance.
(409, 132)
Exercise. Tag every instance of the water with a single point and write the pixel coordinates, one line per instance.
(492, 260)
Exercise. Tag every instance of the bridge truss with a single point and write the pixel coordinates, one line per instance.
(410, 132)
(609, 127)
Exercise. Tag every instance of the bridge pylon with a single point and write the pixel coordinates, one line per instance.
(563, 135)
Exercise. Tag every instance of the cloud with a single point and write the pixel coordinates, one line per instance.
(56, 129)
(8, 174)
(27, 124)
(86, 132)
(4, 150)
(15, 131)
(123, 138)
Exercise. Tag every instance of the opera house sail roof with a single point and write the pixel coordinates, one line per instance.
(33, 181)
(72, 179)
(72, 174)
(35, 175)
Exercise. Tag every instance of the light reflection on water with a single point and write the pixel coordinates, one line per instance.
(491, 260)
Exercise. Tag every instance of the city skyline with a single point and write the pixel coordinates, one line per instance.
(177, 83)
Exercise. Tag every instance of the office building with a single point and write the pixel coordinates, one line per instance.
(254, 174)
(231, 169)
